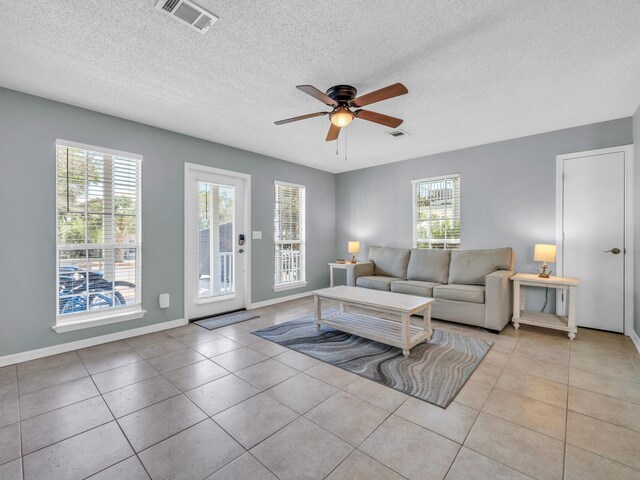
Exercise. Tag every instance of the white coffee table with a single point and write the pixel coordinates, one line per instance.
(399, 334)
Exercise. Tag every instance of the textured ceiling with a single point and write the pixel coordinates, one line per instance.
(477, 71)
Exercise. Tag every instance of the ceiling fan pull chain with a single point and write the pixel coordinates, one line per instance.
(345, 146)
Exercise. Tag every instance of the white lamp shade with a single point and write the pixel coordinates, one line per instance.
(544, 253)
(353, 247)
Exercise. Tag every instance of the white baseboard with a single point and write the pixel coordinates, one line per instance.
(275, 301)
(635, 339)
(88, 342)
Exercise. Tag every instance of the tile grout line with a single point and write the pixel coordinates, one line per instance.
(609, 396)
(522, 426)
(20, 426)
(603, 421)
(299, 372)
(17, 380)
(114, 418)
(257, 460)
(119, 427)
(462, 444)
(566, 416)
(606, 458)
(486, 413)
(264, 391)
(210, 417)
(289, 423)
(357, 448)
(392, 413)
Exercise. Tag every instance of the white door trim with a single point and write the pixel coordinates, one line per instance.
(628, 234)
(194, 167)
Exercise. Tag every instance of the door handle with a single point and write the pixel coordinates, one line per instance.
(615, 251)
(240, 250)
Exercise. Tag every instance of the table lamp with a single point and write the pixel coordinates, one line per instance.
(544, 253)
(353, 248)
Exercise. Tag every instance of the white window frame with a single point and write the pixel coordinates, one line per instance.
(278, 287)
(414, 207)
(87, 319)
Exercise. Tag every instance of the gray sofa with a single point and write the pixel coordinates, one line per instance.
(469, 286)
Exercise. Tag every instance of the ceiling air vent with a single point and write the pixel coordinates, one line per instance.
(189, 13)
(398, 133)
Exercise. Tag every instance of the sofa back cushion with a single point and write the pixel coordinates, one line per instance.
(469, 267)
(389, 262)
(429, 265)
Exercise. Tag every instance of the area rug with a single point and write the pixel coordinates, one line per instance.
(218, 321)
(434, 372)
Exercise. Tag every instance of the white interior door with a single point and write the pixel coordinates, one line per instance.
(593, 224)
(215, 241)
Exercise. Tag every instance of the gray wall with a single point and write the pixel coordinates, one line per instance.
(636, 207)
(508, 198)
(508, 192)
(29, 127)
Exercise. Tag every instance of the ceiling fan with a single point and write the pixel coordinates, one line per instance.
(343, 99)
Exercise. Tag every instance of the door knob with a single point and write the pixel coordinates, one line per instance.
(615, 251)
(241, 250)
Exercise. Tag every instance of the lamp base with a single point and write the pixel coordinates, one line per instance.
(544, 273)
(353, 258)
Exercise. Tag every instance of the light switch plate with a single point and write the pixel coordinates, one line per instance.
(256, 235)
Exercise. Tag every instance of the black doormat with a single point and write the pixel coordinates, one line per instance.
(225, 319)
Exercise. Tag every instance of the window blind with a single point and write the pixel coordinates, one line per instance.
(437, 212)
(289, 236)
(98, 230)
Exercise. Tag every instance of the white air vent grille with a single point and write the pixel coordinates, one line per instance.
(170, 5)
(203, 22)
(398, 133)
(187, 12)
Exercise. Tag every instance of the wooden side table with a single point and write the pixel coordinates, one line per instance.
(340, 266)
(566, 323)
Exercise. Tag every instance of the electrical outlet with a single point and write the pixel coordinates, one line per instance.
(164, 300)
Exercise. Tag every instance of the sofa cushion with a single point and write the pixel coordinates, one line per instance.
(469, 267)
(429, 265)
(460, 293)
(376, 282)
(389, 262)
(414, 287)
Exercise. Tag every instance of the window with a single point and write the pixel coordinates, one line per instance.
(436, 203)
(98, 234)
(289, 236)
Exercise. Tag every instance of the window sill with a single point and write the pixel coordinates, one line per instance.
(289, 286)
(90, 321)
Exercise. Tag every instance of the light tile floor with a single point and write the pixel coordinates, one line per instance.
(188, 403)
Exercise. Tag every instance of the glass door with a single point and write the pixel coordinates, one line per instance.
(215, 247)
(215, 244)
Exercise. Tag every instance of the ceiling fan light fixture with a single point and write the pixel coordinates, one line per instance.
(341, 117)
(343, 98)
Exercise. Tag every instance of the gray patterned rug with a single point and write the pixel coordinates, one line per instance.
(434, 372)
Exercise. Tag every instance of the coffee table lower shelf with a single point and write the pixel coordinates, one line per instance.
(374, 328)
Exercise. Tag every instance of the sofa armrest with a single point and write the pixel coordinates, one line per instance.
(355, 271)
(498, 299)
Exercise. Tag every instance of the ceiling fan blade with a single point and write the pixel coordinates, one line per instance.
(333, 133)
(315, 93)
(383, 94)
(378, 118)
(301, 117)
